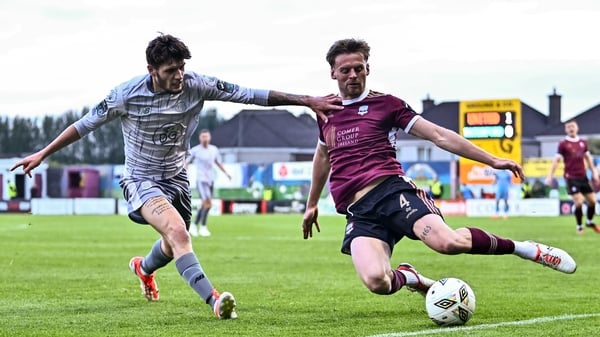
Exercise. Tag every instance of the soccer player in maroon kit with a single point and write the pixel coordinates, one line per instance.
(574, 152)
(356, 152)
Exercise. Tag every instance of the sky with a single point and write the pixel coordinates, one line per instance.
(62, 55)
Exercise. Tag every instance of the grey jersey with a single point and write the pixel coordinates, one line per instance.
(204, 158)
(157, 126)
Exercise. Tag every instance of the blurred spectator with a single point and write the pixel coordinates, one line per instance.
(526, 190)
(34, 191)
(436, 188)
(538, 190)
(12, 190)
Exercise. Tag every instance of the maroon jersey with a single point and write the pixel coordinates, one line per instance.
(361, 141)
(573, 151)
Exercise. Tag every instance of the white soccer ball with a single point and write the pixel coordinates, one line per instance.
(450, 301)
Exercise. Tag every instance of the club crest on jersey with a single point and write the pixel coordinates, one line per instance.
(363, 110)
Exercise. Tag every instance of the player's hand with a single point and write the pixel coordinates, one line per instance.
(511, 165)
(595, 181)
(548, 181)
(29, 163)
(324, 104)
(310, 218)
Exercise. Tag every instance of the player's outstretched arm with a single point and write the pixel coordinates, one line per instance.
(455, 143)
(68, 136)
(319, 104)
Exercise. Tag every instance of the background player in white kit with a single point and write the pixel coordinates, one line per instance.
(158, 112)
(205, 157)
(356, 152)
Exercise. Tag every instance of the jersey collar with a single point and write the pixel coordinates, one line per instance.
(357, 99)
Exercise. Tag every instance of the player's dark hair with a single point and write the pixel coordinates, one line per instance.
(572, 120)
(347, 46)
(166, 49)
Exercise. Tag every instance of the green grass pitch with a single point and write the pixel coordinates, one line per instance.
(68, 276)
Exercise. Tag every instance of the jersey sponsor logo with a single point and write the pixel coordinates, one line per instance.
(168, 134)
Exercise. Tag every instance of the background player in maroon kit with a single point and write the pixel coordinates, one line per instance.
(356, 151)
(574, 151)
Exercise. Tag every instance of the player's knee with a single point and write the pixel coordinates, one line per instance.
(177, 234)
(377, 283)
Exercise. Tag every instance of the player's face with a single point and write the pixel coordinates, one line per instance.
(350, 71)
(571, 129)
(204, 138)
(168, 77)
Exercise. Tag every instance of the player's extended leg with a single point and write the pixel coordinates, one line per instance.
(371, 258)
(167, 221)
(437, 235)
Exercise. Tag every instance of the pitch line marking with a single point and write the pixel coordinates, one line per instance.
(486, 326)
(12, 227)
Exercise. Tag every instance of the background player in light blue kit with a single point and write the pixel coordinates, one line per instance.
(503, 181)
(158, 112)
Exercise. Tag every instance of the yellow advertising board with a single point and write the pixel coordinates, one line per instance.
(540, 167)
(493, 125)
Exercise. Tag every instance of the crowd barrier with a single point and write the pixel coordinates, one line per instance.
(99, 206)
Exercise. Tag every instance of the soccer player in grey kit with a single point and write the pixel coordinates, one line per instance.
(205, 157)
(356, 151)
(159, 112)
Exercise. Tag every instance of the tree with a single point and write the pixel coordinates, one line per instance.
(23, 135)
(5, 135)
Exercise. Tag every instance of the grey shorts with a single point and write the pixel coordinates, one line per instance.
(205, 189)
(388, 212)
(138, 190)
